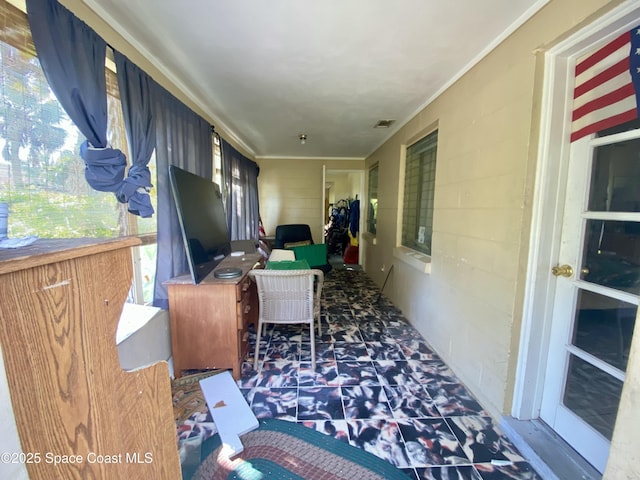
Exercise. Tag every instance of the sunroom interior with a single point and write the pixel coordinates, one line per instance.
(524, 240)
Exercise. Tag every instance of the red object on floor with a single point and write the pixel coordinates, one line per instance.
(351, 254)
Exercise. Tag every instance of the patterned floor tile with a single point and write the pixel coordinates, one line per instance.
(357, 373)
(394, 372)
(325, 374)
(481, 440)
(464, 472)
(384, 350)
(410, 401)
(281, 403)
(336, 428)
(365, 402)
(351, 351)
(430, 441)
(379, 386)
(380, 437)
(320, 403)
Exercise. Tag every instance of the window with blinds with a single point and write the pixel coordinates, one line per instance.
(419, 185)
(372, 216)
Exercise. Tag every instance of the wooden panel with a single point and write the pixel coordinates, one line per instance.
(209, 320)
(69, 394)
(203, 325)
(56, 250)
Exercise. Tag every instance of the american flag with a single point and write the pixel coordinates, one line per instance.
(607, 86)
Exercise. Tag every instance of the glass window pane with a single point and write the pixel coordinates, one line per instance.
(42, 173)
(419, 191)
(148, 270)
(612, 254)
(593, 395)
(615, 178)
(604, 327)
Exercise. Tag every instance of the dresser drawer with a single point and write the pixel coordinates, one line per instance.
(242, 288)
(244, 313)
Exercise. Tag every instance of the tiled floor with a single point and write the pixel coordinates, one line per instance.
(379, 386)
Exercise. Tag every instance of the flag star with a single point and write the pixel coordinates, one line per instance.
(638, 31)
(638, 51)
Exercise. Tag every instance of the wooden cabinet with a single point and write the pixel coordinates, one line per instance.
(61, 303)
(210, 320)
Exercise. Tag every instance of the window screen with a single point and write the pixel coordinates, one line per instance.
(419, 183)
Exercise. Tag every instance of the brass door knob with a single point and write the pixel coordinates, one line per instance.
(562, 271)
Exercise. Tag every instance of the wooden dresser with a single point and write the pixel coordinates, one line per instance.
(73, 404)
(210, 320)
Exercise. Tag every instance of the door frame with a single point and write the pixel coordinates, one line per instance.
(361, 174)
(557, 63)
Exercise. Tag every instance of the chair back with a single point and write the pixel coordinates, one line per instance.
(285, 296)
(291, 233)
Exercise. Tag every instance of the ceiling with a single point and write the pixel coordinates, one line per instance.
(268, 71)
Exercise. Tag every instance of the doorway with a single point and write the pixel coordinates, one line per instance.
(583, 282)
(595, 296)
(341, 188)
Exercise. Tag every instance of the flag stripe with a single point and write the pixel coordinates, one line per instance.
(621, 67)
(612, 110)
(603, 101)
(603, 53)
(609, 86)
(614, 58)
(606, 83)
(606, 123)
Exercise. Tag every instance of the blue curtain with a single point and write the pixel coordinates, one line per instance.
(184, 140)
(72, 57)
(136, 89)
(240, 187)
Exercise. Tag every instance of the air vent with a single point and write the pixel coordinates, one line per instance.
(383, 123)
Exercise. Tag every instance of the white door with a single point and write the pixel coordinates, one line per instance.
(597, 283)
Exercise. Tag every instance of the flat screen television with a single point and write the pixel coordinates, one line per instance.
(202, 221)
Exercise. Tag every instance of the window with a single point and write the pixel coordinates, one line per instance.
(41, 172)
(372, 208)
(217, 161)
(419, 184)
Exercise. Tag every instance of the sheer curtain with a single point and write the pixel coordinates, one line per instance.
(240, 185)
(184, 140)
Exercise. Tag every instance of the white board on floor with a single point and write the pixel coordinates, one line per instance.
(230, 411)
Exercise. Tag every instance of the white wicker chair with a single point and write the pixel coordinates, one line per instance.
(288, 297)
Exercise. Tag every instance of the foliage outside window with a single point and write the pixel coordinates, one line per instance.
(41, 172)
(372, 216)
(419, 188)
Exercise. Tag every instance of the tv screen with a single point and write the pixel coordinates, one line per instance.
(202, 221)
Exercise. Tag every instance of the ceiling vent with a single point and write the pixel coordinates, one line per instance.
(383, 123)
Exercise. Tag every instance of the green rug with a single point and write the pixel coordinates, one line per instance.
(285, 450)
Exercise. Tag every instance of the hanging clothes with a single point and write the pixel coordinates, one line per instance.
(354, 221)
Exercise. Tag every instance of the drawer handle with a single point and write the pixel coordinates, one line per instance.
(247, 309)
(245, 286)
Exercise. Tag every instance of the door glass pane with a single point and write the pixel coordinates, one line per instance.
(593, 395)
(615, 178)
(603, 327)
(612, 255)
